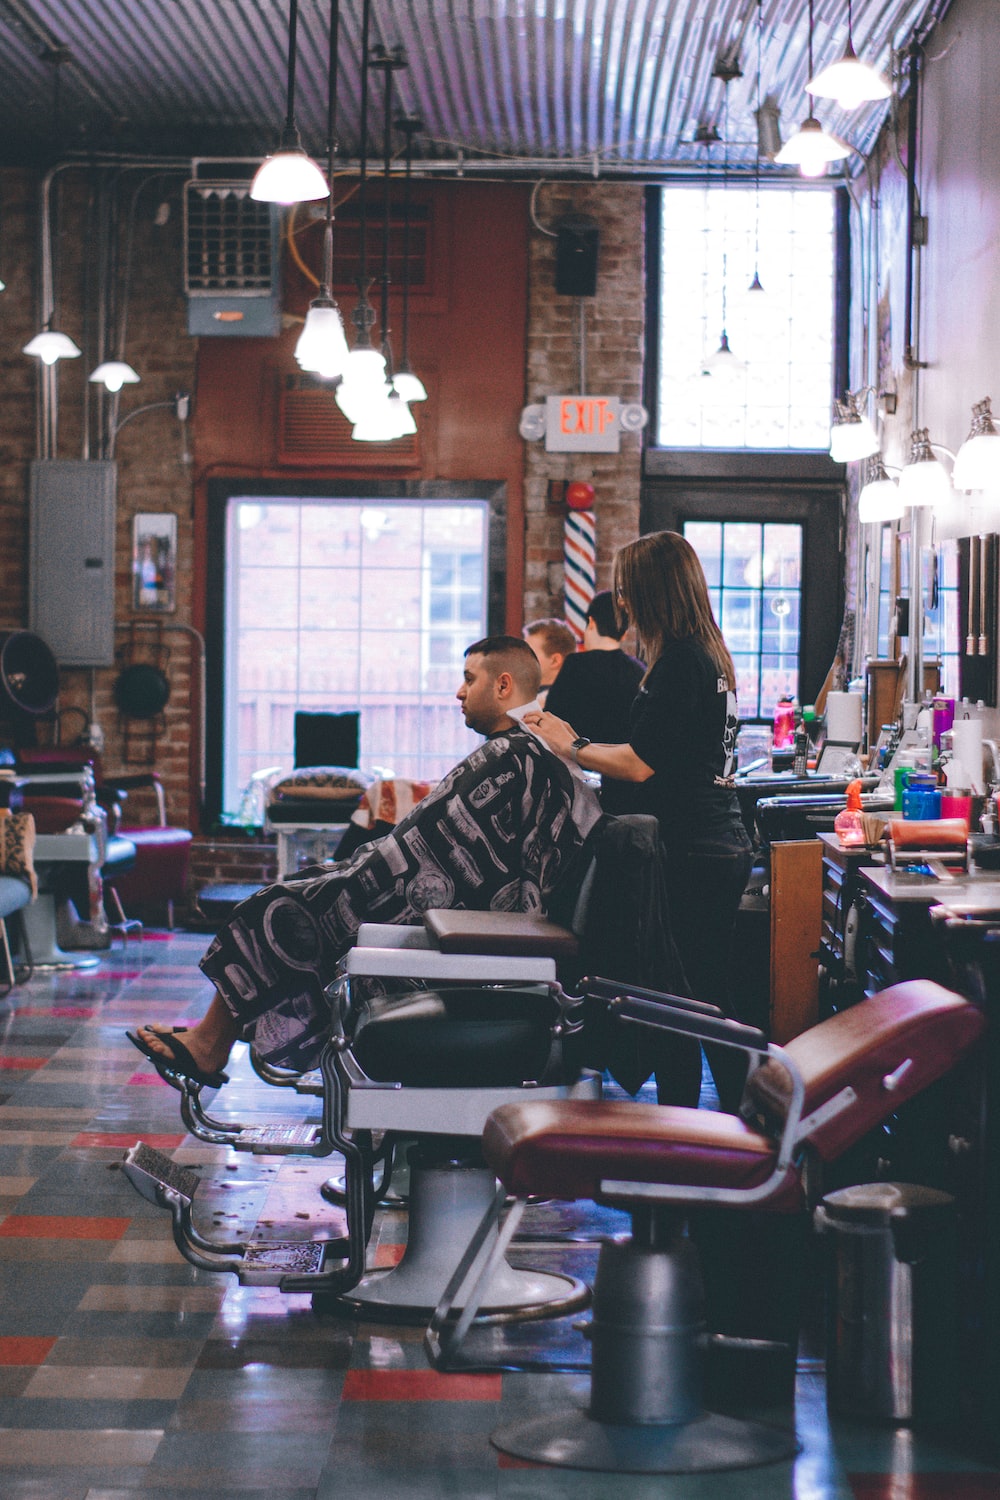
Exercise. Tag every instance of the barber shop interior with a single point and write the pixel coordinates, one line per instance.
(499, 750)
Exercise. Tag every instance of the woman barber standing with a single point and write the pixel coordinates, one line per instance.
(681, 745)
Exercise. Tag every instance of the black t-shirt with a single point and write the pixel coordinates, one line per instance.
(684, 724)
(594, 692)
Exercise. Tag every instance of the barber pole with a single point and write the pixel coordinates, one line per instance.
(579, 555)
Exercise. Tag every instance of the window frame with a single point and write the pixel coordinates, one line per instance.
(219, 491)
(841, 315)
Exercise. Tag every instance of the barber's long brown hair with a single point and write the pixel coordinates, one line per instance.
(660, 587)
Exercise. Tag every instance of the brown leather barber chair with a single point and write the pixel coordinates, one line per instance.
(808, 1101)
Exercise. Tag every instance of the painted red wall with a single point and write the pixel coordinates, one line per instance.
(467, 342)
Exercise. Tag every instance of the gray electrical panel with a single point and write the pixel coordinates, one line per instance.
(72, 549)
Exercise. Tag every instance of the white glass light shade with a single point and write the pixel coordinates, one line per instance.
(384, 419)
(288, 177)
(977, 462)
(409, 386)
(365, 369)
(723, 365)
(113, 374)
(322, 345)
(3, 285)
(812, 149)
(849, 81)
(924, 479)
(852, 440)
(49, 346)
(880, 501)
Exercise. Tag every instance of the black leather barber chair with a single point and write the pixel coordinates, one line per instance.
(805, 1103)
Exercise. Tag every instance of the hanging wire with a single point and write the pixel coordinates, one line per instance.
(755, 285)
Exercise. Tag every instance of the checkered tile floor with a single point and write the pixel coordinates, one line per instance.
(123, 1370)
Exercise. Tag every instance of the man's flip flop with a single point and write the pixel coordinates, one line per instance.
(180, 1062)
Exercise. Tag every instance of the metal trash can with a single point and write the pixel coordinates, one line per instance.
(892, 1307)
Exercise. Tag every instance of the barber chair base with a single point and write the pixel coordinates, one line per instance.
(446, 1205)
(645, 1414)
(573, 1439)
(40, 927)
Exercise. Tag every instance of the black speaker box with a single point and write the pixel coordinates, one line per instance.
(577, 244)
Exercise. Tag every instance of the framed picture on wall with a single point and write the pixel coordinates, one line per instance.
(154, 561)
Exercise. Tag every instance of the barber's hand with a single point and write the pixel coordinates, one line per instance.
(556, 733)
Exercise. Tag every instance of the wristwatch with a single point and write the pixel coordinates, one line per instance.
(580, 743)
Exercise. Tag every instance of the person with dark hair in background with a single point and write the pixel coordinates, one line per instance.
(553, 642)
(681, 747)
(594, 692)
(503, 831)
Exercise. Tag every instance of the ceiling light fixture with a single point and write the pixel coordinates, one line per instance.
(924, 479)
(849, 81)
(50, 345)
(977, 462)
(322, 344)
(852, 436)
(289, 175)
(408, 384)
(879, 499)
(724, 365)
(364, 370)
(811, 148)
(113, 374)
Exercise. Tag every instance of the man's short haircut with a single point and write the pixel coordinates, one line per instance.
(601, 610)
(557, 637)
(512, 655)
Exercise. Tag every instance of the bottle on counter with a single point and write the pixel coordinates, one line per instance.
(848, 824)
(783, 735)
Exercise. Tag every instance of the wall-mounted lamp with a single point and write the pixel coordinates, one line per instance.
(289, 175)
(879, 499)
(852, 435)
(113, 374)
(924, 480)
(849, 81)
(977, 462)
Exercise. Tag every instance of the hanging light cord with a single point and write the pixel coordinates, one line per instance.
(326, 286)
(293, 27)
(363, 314)
(387, 64)
(408, 126)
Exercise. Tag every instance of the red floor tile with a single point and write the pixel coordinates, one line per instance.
(928, 1486)
(419, 1385)
(23, 1062)
(388, 1255)
(20, 1350)
(74, 1012)
(142, 1079)
(56, 1227)
(111, 1138)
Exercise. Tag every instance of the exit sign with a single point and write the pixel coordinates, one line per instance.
(582, 424)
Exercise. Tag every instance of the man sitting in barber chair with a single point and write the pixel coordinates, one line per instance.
(504, 831)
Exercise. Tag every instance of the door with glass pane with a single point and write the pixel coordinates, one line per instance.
(773, 562)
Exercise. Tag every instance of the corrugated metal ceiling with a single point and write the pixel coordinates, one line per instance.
(613, 85)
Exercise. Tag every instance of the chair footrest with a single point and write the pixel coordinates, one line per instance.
(267, 1262)
(277, 1140)
(148, 1169)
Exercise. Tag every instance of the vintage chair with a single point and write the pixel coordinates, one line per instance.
(807, 1101)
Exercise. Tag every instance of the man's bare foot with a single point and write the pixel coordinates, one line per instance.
(209, 1042)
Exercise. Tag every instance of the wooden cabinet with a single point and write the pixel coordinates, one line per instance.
(796, 902)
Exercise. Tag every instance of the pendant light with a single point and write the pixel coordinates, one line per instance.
(924, 479)
(852, 436)
(364, 369)
(289, 175)
(322, 344)
(811, 148)
(50, 345)
(977, 462)
(849, 81)
(756, 284)
(113, 374)
(879, 499)
(407, 383)
(724, 366)
(386, 417)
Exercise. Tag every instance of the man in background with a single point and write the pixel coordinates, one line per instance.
(594, 691)
(552, 641)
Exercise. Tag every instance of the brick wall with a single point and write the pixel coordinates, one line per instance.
(614, 360)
